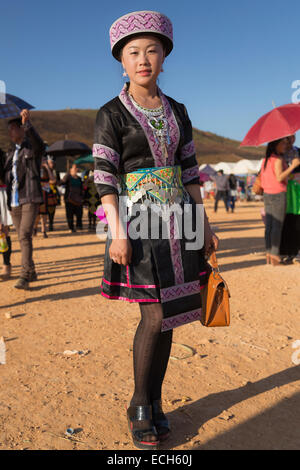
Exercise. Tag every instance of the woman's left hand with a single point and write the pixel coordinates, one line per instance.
(211, 242)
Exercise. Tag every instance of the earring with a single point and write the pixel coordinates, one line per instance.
(124, 73)
(162, 69)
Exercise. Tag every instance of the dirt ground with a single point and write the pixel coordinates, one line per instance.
(237, 388)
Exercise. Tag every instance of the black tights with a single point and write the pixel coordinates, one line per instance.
(151, 352)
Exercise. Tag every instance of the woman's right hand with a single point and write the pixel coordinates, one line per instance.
(120, 251)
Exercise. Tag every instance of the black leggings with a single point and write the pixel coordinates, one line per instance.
(151, 352)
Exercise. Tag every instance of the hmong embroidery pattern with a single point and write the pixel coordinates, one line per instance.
(190, 174)
(103, 177)
(154, 145)
(183, 319)
(175, 292)
(142, 21)
(101, 151)
(173, 129)
(188, 150)
(155, 182)
(176, 253)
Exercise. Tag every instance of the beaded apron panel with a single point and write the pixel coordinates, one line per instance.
(161, 185)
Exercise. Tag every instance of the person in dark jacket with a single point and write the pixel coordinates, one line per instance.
(22, 176)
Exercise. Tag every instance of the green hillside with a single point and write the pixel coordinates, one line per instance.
(78, 124)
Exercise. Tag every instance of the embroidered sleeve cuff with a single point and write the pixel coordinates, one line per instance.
(106, 153)
(103, 177)
(191, 174)
(187, 150)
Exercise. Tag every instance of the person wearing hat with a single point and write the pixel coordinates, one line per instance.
(145, 160)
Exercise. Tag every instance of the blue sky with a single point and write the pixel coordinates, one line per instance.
(231, 59)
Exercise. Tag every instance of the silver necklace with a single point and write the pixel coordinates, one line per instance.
(158, 123)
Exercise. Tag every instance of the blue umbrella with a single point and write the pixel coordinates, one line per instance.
(13, 106)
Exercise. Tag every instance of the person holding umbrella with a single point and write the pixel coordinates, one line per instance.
(274, 178)
(22, 175)
(274, 128)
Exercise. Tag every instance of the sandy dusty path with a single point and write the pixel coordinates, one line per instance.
(239, 390)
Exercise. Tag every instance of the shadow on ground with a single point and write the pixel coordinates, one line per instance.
(270, 429)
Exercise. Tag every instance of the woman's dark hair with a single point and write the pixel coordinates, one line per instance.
(271, 148)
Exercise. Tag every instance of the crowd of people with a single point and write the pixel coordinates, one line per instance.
(228, 188)
(30, 190)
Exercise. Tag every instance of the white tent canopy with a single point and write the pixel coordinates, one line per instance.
(242, 167)
(225, 166)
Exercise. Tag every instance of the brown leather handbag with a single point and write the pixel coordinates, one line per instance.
(215, 298)
(257, 187)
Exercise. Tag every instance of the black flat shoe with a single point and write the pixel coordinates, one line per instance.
(160, 421)
(142, 413)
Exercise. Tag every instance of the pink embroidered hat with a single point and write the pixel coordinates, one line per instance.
(140, 22)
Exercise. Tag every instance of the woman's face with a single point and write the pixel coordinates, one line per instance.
(282, 146)
(142, 59)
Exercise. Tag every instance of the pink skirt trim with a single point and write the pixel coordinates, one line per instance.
(115, 297)
(122, 284)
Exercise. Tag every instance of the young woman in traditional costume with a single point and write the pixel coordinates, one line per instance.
(5, 220)
(144, 153)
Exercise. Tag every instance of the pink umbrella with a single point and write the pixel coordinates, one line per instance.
(276, 124)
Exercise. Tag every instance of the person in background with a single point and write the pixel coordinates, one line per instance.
(242, 190)
(91, 199)
(24, 193)
(47, 178)
(290, 240)
(73, 197)
(222, 188)
(202, 191)
(292, 151)
(53, 195)
(232, 191)
(209, 189)
(5, 221)
(274, 177)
